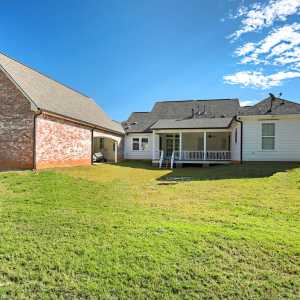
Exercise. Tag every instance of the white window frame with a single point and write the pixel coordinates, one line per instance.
(135, 138)
(140, 143)
(268, 136)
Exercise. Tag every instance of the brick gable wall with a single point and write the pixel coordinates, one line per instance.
(16, 127)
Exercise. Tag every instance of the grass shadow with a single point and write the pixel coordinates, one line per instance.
(214, 172)
(218, 172)
(136, 164)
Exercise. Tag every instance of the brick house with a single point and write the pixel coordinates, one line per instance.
(44, 123)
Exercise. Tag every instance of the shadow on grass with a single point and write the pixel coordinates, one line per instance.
(246, 170)
(136, 164)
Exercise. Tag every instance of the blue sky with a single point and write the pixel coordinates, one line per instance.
(129, 54)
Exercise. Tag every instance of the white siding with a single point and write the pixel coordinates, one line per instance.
(141, 154)
(236, 145)
(287, 140)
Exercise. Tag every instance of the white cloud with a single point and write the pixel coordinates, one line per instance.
(260, 16)
(258, 79)
(246, 103)
(278, 48)
(245, 49)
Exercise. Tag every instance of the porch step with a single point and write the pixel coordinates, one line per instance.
(167, 164)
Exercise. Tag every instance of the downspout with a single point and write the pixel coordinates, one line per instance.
(92, 146)
(36, 114)
(241, 122)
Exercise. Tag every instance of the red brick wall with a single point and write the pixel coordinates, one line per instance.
(16, 127)
(60, 143)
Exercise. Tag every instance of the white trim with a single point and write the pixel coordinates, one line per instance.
(180, 144)
(191, 130)
(116, 151)
(140, 138)
(106, 135)
(153, 145)
(204, 145)
(269, 117)
(266, 136)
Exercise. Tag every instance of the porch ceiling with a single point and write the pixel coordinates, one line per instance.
(106, 135)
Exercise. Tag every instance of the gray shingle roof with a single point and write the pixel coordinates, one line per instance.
(221, 108)
(268, 106)
(207, 113)
(192, 123)
(207, 108)
(140, 122)
(52, 96)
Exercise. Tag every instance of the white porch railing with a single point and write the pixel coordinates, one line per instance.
(172, 159)
(218, 155)
(200, 155)
(161, 159)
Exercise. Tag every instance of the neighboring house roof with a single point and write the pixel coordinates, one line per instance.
(52, 96)
(193, 123)
(271, 106)
(188, 109)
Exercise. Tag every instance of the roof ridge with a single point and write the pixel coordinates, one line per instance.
(277, 98)
(45, 75)
(288, 101)
(191, 100)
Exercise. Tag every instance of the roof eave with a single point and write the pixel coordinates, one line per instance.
(94, 126)
(184, 128)
(268, 115)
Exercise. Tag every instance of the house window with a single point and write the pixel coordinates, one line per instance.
(140, 144)
(268, 136)
(235, 136)
(144, 144)
(135, 144)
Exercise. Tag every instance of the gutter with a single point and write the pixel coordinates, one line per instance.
(36, 114)
(241, 150)
(190, 128)
(92, 146)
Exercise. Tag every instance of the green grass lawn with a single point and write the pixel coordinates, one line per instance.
(129, 231)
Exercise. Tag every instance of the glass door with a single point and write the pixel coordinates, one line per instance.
(169, 146)
(172, 144)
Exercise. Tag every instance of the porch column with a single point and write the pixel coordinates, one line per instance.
(204, 144)
(180, 145)
(116, 152)
(153, 145)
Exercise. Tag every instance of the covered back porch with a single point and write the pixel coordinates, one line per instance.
(106, 145)
(194, 146)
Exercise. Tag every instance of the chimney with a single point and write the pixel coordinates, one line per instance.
(272, 100)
